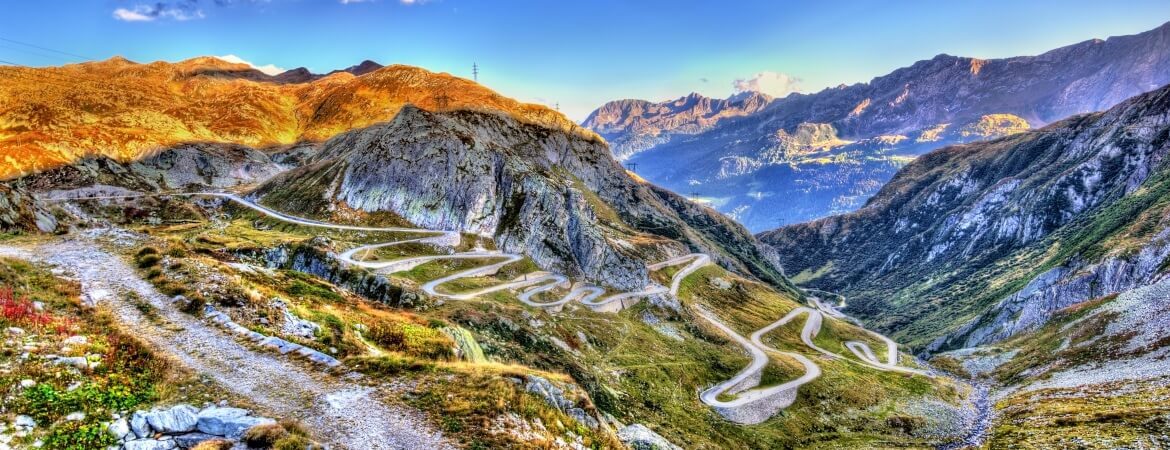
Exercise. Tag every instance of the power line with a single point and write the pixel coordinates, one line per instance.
(46, 49)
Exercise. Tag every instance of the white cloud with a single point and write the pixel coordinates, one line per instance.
(269, 69)
(151, 12)
(776, 84)
(127, 15)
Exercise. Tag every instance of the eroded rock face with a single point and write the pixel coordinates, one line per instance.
(19, 211)
(557, 197)
(972, 244)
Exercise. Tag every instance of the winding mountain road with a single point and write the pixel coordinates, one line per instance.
(748, 403)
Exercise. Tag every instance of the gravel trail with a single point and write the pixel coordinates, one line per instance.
(342, 414)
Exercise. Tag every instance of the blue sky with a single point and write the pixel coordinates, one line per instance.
(577, 54)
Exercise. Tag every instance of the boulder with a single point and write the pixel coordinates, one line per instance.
(119, 428)
(190, 440)
(236, 428)
(138, 424)
(24, 422)
(229, 422)
(150, 444)
(178, 419)
(638, 437)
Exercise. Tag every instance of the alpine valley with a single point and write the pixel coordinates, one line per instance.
(765, 161)
(202, 255)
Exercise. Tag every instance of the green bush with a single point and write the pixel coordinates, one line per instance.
(78, 436)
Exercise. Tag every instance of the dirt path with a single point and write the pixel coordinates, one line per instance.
(343, 414)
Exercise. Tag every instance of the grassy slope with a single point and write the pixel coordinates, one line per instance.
(631, 370)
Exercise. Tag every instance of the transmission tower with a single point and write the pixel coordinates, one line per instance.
(632, 166)
(475, 72)
(694, 196)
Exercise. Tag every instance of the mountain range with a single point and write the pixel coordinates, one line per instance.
(117, 108)
(810, 155)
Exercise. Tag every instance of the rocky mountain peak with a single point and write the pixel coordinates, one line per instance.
(721, 157)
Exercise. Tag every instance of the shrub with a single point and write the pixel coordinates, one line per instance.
(148, 260)
(412, 339)
(294, 442)
(146, 251)
(78, 436)
(20, 310)
(264, 435)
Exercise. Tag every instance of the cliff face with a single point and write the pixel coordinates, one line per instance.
(554, 196)
(631, 126)
(897, 117)
(978, 242)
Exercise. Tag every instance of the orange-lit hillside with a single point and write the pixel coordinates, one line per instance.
(121, 109)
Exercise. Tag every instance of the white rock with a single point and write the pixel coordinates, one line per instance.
(139, 425)
(15, 331)
(27, 383)
(638, 437)
(178, 419)
(214, 420)
(76, 340)
(75, 416)
(120, 428)
(149, 444)
(24, 422)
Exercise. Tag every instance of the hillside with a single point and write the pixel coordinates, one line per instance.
(975, 243)
(1036, 263)
(884, 123)
(124, 110)
(559, 198)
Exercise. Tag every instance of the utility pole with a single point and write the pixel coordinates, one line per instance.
(633, 167)
(475, 72)
(694, 196)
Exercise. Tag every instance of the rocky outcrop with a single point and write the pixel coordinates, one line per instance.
(556, 197)
(181, 427)
(1058, 288)
(982, 241)
(316, 257)
(21, 212)
(638, 437)
(969, 98)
